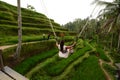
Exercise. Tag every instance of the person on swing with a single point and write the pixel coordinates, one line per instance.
(64, 50)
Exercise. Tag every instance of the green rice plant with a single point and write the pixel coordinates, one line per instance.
(29, 49)
(89, 69)
(80, 44)
(30, 62)
(115, 56)
(102, 54)
(14, 39)
(63, 63)
(4, 15)
(39, 66)
(41, 74)
(7, 22)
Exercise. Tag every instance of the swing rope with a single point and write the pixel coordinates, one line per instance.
(80, 33)
(51, 25)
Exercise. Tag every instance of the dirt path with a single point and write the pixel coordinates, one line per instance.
(8, 46)
(105, 72)
(111, 61)
(101, 63)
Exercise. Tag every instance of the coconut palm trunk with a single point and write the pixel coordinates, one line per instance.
(118, 42)
(111, 43)
(18, 50)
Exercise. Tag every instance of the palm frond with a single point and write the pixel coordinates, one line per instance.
(107, 23)
(99, 2)
(94, 2)
(105, 13)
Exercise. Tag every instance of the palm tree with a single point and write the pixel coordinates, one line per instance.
(18, 50)
(111, 14)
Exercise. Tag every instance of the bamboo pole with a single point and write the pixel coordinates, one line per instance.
(1, 60)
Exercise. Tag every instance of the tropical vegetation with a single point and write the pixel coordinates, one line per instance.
(95, 54)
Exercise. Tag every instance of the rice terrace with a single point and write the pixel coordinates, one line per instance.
(36, 47)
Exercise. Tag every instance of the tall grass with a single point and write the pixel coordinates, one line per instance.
(102, 54)
(14, 39)
(88, 70)
(63, 63)
(29, 49)
(29, 63)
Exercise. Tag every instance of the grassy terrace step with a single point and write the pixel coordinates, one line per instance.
(41, 65)
(41, 75)
(29, 63)
(35, 25)
(9, 40)
(12, 30)
(63, 63)
(71, 66)
(8, 16)
(98, 51)
(14, 39)
(32, 17)
(89, 69)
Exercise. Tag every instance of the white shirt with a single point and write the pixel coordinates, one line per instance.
(63, 55)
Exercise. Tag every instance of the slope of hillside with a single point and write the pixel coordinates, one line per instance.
(31, 21)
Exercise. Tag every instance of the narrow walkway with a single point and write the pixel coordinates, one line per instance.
(8, 46)
(105, 72)
(101, 62)
(111, 61)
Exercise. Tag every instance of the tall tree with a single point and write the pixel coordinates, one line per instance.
(18, 50)
(111, 14)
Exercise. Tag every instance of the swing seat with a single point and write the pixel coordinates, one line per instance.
(63, 55)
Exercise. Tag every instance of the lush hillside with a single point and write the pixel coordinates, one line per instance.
(83, 64)
(39, 60)
(33, 23)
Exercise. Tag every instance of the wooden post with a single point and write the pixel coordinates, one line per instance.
(1, 60)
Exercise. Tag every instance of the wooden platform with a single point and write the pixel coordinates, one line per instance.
(9, 74)
(3, 76)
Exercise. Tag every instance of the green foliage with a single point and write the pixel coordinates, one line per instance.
(101, 54)
(116, 56)
(62, 64)
(88, 70)
(30, 62)
(14, 39)
(4, 15)
(29, 49)
(80, 44)
(33, 23)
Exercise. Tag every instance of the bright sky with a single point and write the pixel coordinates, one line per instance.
(62, 11)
